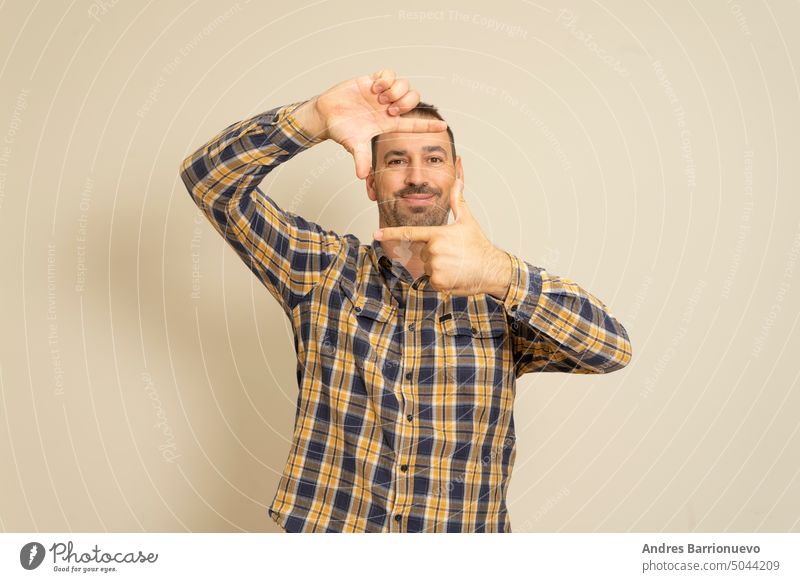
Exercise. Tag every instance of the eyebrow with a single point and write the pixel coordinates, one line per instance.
(432, 148)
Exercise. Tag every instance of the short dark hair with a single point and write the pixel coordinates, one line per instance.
(426, 111)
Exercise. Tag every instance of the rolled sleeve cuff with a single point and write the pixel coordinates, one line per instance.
(284, 131)
(293, 127)
(525, 287)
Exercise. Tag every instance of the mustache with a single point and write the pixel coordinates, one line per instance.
(417, 190)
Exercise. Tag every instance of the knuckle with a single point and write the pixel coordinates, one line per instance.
(409, 100)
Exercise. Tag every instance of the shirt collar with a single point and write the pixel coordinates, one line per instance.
(381, 259)
(394, 269)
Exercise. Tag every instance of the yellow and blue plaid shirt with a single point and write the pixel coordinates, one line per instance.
(404, 418)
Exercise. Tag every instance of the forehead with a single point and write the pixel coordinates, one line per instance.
(413, 142)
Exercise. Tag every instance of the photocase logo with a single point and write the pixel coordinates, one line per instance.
(67, 559)
(31, 555)
(403, 251)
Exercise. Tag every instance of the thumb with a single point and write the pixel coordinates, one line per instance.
(457, 202)
(362, 154)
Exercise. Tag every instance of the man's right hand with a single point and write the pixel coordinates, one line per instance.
(354, 111)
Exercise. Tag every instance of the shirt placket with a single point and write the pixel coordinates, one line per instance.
(404, 462)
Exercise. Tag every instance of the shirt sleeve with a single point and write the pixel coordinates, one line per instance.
(287, 253)
(559, 327)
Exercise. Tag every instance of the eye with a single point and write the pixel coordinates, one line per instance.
(393, 161)
(436, 158)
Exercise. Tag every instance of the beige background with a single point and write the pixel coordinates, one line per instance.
(647, 151)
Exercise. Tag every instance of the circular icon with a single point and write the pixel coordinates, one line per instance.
(31, 555)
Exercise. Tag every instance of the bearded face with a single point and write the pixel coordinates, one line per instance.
(412, 179)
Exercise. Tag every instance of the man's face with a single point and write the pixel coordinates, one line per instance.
(412, 178)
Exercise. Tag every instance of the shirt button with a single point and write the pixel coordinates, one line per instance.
(408, 375)
(358, 309)
(404, 468)
(409, 418)
(398, 517)
(474, 330)
(411, 326)
(513, 308)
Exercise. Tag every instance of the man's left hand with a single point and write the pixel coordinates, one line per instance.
(458, 258)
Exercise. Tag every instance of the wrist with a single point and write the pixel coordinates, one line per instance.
(500, 279)
(311, 122)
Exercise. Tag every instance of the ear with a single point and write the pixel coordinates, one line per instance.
(371, 191)
(459, 168)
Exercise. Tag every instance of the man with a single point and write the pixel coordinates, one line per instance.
(408, 349)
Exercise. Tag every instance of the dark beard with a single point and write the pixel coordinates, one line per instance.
(432, 215)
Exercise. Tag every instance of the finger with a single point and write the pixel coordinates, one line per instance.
(419, 125)
(405, 104)
(394, 92)
(383, 80)
(363, 159)
(457, 199)
(406, 233)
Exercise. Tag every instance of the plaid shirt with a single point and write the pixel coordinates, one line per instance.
(404, 416)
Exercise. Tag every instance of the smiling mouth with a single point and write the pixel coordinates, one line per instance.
(423, 196)
(418, 200)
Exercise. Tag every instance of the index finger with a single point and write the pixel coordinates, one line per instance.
(420, 125)
(405, 233)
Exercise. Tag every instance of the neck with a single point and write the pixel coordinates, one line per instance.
(407, 254)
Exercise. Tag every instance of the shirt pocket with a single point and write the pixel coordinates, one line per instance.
(477, 400)
(369, 324)
(470, 335)
(465, 324)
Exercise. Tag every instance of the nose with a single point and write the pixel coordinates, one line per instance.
(416, 175)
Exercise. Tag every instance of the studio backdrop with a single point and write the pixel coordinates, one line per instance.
(647, 151)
